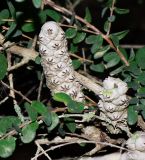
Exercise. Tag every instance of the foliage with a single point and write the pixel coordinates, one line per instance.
(101, 58)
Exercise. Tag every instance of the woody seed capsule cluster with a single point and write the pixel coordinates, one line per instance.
(113, 104)
(56, 62)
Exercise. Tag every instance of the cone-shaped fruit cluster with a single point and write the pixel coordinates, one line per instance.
(56, 62)
(113, 104)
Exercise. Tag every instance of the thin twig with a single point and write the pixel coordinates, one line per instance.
(23, 35)
(20, 64)
(81, 141)
(75, 27)
(42, 151)
(84, 57)
(12, 93)
(80, 58)
(40, 87)
(34, 42)
(4, 100)
(134, 46)
(111, 14)
(18, 92)
(29, 92)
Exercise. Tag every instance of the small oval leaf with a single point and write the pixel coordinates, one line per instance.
(7, 147)
(80, 36)
(70, 33)
(29, 132)
(132, 115)
(37, 3)
(55, 121)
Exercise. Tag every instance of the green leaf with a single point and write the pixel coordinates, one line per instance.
(47, 119)
(134, 68)
(109, 3)
(70, 33)
(121, 11)
(4, 14)
(117, 71)
(38, 60)
(39, 107)
(61, 131)
(55, 121)
(141, 92)
(101, 52)
(3, 66)
(134, 100)
(123, 51)
(62, 97)
(132, 115)
(75, 107)
(37, 3)
(131, 55)
(106, 26)
(140, 58)
(88, 16)
(31, 112)
(120, 35)
(17, 33)
(104, 11)
(70, 124)
(141, 78)
(142, 101)
(11, 8)
(115, 40)
(28, 27)
(54, 15)
(94, 39)
(11, 29)
(43, 16)
(7, 147)
(134, 85)
(97, 67)
(112, 59)
(143, 111)
(73, 48)
(111, 18)
(80, 36)
(7, 123)
(76, 63)
(29, 132)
